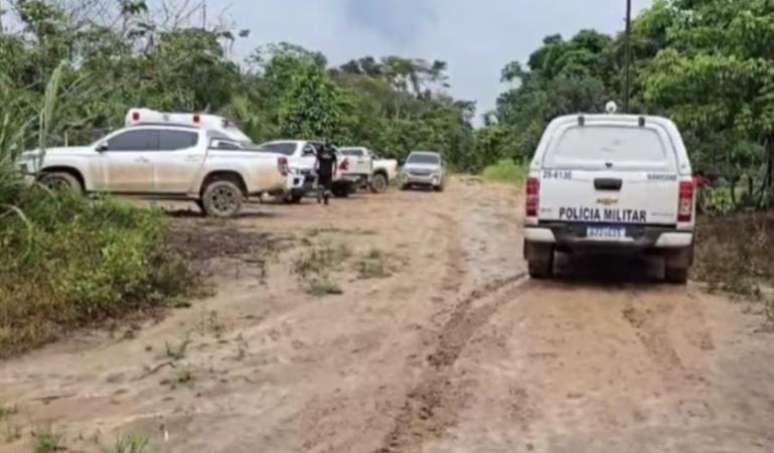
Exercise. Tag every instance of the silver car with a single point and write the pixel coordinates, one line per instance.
(423, 168)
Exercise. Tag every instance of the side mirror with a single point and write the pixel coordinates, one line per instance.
(102, 147)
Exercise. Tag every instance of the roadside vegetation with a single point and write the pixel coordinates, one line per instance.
(506, 171)
(734, 255)
(65, 261)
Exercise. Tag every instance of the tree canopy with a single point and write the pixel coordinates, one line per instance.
(708, 65)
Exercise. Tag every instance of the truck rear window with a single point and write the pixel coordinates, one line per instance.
(592, 146)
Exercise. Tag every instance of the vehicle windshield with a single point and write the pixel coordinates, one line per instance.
(425, 159)
(285, 148)
(599, 146)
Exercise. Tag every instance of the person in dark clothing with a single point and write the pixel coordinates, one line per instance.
(326, 170)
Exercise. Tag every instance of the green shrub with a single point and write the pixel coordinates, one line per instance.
(506, 171)
(69, 261)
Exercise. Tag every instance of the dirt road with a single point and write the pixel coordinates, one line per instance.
(439, 343)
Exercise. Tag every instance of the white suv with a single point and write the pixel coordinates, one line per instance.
(610, 183)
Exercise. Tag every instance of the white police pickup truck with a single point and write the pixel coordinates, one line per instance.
(302, 161)
(610, 183)
(370, 170)
(197, 157)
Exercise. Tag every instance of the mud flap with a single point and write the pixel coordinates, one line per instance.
(679, 258)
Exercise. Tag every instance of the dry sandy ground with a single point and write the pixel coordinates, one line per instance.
(455, 351)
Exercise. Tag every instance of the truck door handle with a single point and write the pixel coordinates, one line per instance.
(610, 184)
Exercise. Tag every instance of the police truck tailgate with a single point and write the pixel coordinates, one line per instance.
(609, 197)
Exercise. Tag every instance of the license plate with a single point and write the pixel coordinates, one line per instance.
(606, 233)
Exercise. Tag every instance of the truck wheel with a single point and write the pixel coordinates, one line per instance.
(62, 182)
(379, 183)
(677, 263)
(677, 275)
(222, 199)
(541, 270)
(540, 259)
(438, 188)
(340, 191)
(293, 198)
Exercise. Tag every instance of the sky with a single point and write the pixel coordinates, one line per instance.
(477, 38)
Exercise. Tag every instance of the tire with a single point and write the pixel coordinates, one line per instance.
(438, 188)
(541, 270)
(676, 275)
(62, 181)
(404, 187)
(293, 198)
(379, 183)
(222, 199)
(340, 191)
(541, 262)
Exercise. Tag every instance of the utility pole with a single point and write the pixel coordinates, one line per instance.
(204, 15)
(628, 51)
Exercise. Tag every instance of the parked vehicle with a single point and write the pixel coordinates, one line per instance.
(371, 171)
(610, 183)
(424, 169)
(202, 158)
(302, 156)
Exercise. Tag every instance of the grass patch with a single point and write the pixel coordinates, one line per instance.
(134, 443)
(506, 171)
(7, 412)
(316, 265)
(69, 262)
(321, 287)
(48, 442)
(374, 265)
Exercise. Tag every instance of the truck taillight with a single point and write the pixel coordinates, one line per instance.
(282, 164)
(533, 197)
(344, 166)
(685, 202)
(136, 117)
(197, 118)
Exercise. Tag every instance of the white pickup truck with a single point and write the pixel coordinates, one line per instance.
(351, 171)
(610, 183)
(369, 170)
(195, 157)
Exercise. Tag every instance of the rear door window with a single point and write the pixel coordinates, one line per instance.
(609, 147)
(135, 140)
(177, 140)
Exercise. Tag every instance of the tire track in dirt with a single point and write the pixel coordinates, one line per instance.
(430, 407)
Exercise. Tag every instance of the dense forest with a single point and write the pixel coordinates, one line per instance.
(709, 65)
(120, 54)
